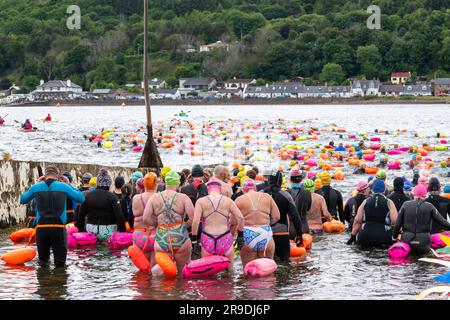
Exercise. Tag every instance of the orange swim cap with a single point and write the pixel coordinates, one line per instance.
(150, 181)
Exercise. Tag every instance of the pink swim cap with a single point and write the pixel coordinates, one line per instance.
(422, 180)
(140, 184)
(362, 185)
(248, 184)
(214, 183)
(420, 191)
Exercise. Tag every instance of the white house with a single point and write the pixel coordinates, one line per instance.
(155, 84)
(234, 83)
(417, 90)
(364, 88)
(170, 94)
(196, 85)
(219, 45)
(57, 89)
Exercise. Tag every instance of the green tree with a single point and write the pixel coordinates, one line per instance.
(369, 60)
(332, 74)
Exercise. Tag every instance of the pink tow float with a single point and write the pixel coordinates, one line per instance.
(395, 165)
(399, 250)
(206, 266)
(437, 242)
(137, 148)
(375, 139)
(260, 267)
(120, 240)
(369, 157)
(84, 238)
(375, 147)
(394, 152)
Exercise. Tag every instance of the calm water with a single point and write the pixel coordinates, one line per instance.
(332, 270)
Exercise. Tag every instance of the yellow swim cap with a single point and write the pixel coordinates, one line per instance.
(93, 182)
(318, 184)
(164, 171)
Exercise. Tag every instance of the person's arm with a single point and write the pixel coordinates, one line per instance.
(28, 195)
(238, 217)
(436, 216)
(73, 193)
(393, 211)
(347, 213)
(198, 211)
(189, 208)
(117, 211)
(135, 201)
(81, 221)
(274, 212)
(398, 223)
(294, 216)
(324, 209)
(340, 204)
(358, 219)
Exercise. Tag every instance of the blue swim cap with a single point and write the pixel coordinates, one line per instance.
(136, 176)
(407, 186)
(360, 154)
(378, 186)
(370, 178)
(447, 188)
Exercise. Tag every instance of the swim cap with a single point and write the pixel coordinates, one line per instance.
(447, 188)
(103, 178)
(370, 178)
(93, 182)
(68, 176)
(309, 185)
(408, 186)
(150, 181)
(248, 184)
(443, 164)
(378, 186)
(164, 171)
(362, 185)
(51, 170)
(381, 174)
(295, 173)
(197, 171)
(434, 184)
(399, 184)
(140, 184)
(422, 180)
(420, 191)
(136, 175)
(214, 183)
(325, 177)
(243, 179)
(86, 177)
(318, 184)
(235, 165)
(172, 179)
(119, 182)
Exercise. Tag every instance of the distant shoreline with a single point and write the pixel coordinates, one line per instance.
(219, 102)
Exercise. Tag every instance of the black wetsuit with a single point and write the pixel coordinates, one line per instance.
(193, 193)
(125, 206)
(398, 197)
(101, 208)
(334, 201)
(302, 200)
(443, 207)
(376, 230)
(351, 209)
(286, 205)
(415, 218)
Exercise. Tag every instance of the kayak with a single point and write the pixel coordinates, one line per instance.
(28, 130)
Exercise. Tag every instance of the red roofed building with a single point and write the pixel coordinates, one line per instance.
(400, 77)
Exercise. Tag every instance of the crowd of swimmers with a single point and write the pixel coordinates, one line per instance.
(223, 210)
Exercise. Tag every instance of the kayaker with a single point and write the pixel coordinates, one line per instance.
(48, 118)
(27, 125)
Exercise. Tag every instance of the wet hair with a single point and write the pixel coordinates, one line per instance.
(251, 174)
(127, 189)
(119, 182)
(183, 178)
(255, 168)
(296, 179)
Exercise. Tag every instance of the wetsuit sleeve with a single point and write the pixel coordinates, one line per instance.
(28, 196)
(340, 203)
(81, 221)
(399, 223)
(293, 215)
(358, 219)
(117, 210)
(440, 219)
(346, 215)
(74, 193)
(274, 212)
(302, 207)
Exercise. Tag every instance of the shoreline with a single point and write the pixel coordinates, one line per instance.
(220, 102)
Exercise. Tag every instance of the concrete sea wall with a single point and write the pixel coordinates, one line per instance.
(17, 176)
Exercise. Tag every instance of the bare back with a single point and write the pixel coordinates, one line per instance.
(140, 201)
(258, 209)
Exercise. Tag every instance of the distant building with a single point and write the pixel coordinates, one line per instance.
(10, 91)
(155, 84)
(441, 86)
(229, 93)
(417, 90)
(171, 94)
(57, 89)
(364, 88)
(391, 90)
(276, 90)
(219, 45)
(238, 83)
(400, 77)
(188, 85)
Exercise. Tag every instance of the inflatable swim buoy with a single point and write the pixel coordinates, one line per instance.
(120, 240)
(394, 152)
(399, 250)
(166, 264)
(71, 241)
(139, 259)
(260, 267)
(371, 170)
(307, 241)
(296, 251)
(71, 229)
(137, 148)
(22, 235)
(333, 227)
(205, 266)
(19, 256)
(436, 240)
(85, 238)
(369, 157)
(107, 144)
